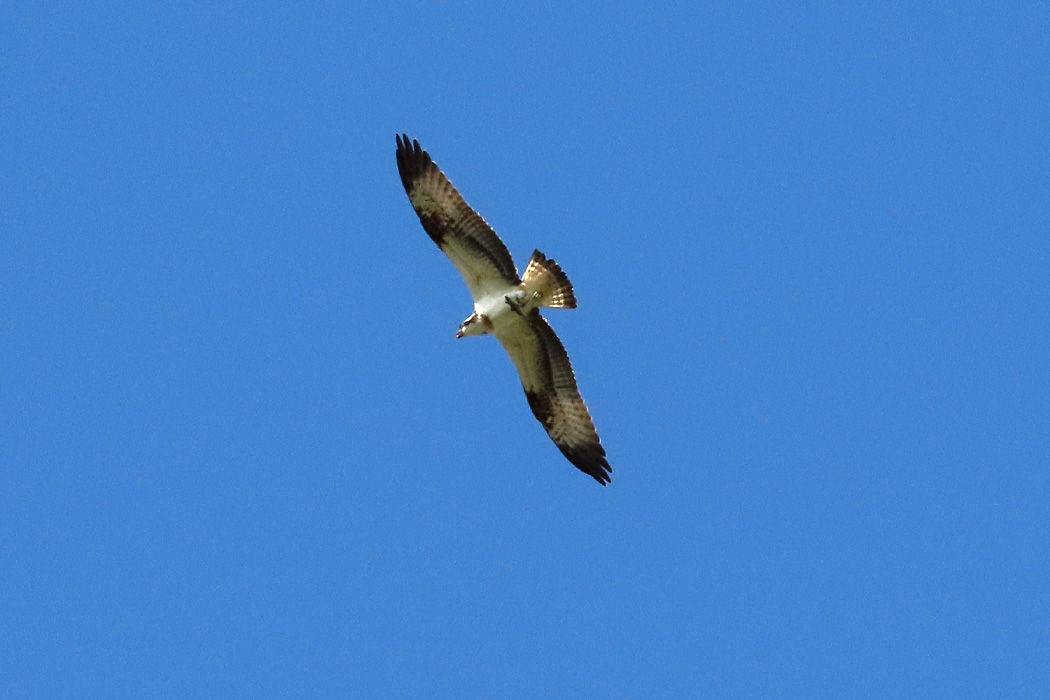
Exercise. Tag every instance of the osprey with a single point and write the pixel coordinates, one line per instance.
(507, 306)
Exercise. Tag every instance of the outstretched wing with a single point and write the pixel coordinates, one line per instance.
(550, 386)
(474, 248)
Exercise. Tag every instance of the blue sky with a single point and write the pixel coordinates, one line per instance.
(242, 455)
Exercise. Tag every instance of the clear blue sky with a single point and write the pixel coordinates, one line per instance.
(242, 455)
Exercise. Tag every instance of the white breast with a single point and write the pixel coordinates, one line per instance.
(495, 306)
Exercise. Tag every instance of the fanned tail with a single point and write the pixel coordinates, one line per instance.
(546, 277)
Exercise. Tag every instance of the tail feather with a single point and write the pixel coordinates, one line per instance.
(546, 277)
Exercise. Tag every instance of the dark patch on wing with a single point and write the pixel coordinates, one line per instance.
(450, 216)
(561, 410)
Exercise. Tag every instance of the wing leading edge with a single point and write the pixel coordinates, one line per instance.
(474, 248)
(550, 387)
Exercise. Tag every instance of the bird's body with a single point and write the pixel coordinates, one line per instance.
(507, 306)
(497, 315)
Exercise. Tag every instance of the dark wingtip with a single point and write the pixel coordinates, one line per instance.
(602, 472)
(589, 458)
(591, 461)
(602, 478)
(409, 147)
(412, 160)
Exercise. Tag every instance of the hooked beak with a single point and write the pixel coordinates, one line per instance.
(459, 334)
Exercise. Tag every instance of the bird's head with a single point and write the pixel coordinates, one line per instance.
(475, 325)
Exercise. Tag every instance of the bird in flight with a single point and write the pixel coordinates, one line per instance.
(507, 306)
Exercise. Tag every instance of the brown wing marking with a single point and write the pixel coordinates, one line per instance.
(458, 230)
(560, 408)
